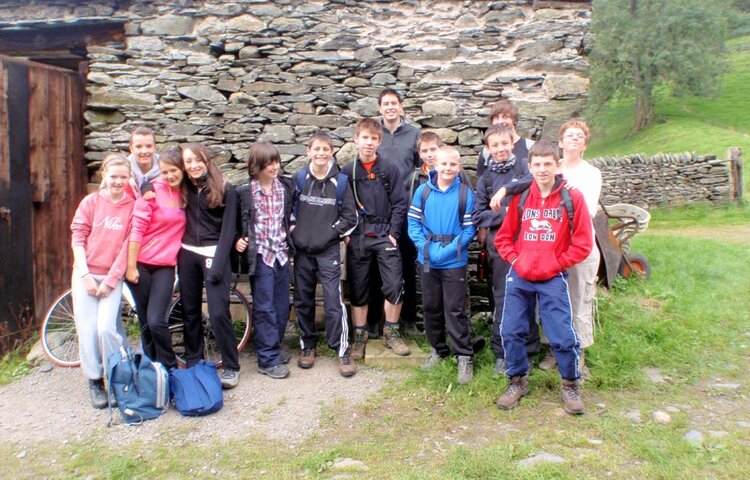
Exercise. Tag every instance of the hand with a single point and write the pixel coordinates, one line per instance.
(89, 283)
(149, 195)
(132, 275)
(346, 241)
(482, 236)
(103, 291)
(241, 244)
(393, 240)
(291, 229)
(497, 199)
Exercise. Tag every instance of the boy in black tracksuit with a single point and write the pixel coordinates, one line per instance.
(319, 222)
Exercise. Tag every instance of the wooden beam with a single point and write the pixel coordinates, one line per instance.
(18, 41)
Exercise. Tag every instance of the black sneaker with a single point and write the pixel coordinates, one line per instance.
(229, 378)
(277, 371)
(97, 393)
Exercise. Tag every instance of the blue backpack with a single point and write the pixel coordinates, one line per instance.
(196, 390)
(140, 386)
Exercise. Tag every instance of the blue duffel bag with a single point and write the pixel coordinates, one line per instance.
(140, 386)
(196, 390)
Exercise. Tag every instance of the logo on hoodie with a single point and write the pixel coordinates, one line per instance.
(110, 223)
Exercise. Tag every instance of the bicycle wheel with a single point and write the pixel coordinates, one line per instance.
(58, 332)
(242, 320)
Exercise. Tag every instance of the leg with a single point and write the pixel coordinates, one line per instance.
(389, 262)
(281, 300)
(160, 295)
(432, 306)
(141, 292)
(266, 334)
(409, 268)
(85, 309)
(582, 284)
(336, 321)
(514, 327)
(500, 269)
(358, 274)
(217, 297)
(190, 266)
(557, 321)
(453, 284)
(305, 270)
(108, 322)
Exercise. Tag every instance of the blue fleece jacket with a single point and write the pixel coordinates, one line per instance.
(441, 218)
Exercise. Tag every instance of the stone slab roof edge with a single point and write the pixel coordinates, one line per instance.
(68, 22)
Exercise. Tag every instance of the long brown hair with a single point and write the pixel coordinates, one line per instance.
(173, 157)
(215, 181)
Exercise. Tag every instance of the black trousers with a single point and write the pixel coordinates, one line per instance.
(409, 268)
(443, 300)
(192, 268)
(152, 295)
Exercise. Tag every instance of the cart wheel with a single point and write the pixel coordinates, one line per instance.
(635, 265)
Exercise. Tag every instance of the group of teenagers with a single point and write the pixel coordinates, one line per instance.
(403, 208)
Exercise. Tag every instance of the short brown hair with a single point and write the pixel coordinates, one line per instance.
(261, 155)
(369, 124)
(429, 137)
(497, 130)
(544, 148)
(389, 91)
(215, 181)
(142, 131)
(506, 108)
(575, 123)
(320, 137)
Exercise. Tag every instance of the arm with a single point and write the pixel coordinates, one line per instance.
(505, 238)
(116, 271)
(348, 217)
(81, 228)
(468, 230)
(517, 185)
(142, 213)
(399, 204)
(226, 237)
(581, 241)
(482, 216)
(416, 232)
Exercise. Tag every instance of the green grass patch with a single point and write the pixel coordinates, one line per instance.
(13, 366)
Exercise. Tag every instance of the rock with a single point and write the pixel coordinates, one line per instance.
(21, 454)
(470, 136)
(654, 375)
(596, 441)
(717, 433)
(350, 464)
(243, 98)
(366, 107)
(97, 116)
(326, 121)
(249, 52)
(278, 134)
(367, 54)
(726, 386)
(245, 24)
(115, 98)
(385, 79)
(439, 107)
(467, 21)
(446, 134)
(100, 78)
(202, 92)
(634, 416)
(662, 418)
(347, 153)
(168, 25)
(565, 86)
(694, 437)
(541, 457)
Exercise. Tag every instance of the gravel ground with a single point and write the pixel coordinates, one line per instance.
(53, 406)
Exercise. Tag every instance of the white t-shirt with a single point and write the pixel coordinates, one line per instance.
(588, 179)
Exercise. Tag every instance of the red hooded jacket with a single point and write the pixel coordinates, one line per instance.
(539, 244)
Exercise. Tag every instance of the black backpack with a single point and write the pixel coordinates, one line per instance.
(567, 203)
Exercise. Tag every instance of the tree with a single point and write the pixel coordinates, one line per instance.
(644, 45)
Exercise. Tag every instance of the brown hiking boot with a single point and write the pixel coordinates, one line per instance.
(571, 397)
(392, 340)
(360, 343)
(307, 358)
(517, 388)
(549, 361)
(347, 367)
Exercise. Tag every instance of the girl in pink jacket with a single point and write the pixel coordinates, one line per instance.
(100, 229)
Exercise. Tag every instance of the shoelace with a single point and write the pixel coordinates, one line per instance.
(346, 360)
(572, 392)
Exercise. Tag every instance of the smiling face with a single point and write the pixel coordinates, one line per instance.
(171, 174)
(143, 147)
(269, 172)
(543, 168)
(391, 109)
(115, 178)
(573, 140)
(428, 153)
(448, 165)
(367, 144)
(194, 165)
(500, 146)
(320, 153)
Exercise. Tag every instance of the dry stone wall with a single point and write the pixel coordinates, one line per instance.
(229, 73)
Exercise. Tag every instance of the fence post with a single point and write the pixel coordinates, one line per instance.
(735, 161)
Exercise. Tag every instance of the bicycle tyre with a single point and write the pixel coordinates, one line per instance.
(242, 320)
(58, 332)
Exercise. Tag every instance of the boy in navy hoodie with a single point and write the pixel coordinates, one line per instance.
(541, 238)
(323, 214)
(441, 231)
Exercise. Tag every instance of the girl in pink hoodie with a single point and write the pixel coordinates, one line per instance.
(100, 229)
(155, 239)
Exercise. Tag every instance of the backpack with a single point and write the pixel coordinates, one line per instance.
(381, 176)
(463, 190)
(140, 386)
(302, 176)
(196, 390)
(567, 204)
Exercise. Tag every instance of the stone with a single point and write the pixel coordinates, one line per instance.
(202, 93)
(315, 68)
(385, 79)
(725, 386)
(245, 24)
(367, 54)
(541, 457)
(366, 107)
(115, 98)
(104, 116)
(347, 153)
(439, 107)
(278, 134)
(100, 78)
(565, 86)
(350, 464)
(467, 21)
(145, 43)
(470, 136)
(168, 25)
(325, 121)
(654, 375)
(661, 417)
(694, 437)
(503, 17)
(432, 55)
(243, 98)
(634, 416)
(249, 52)
(446, 134)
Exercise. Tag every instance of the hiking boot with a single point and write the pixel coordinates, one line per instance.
(433, 359)
(229, 378)
(392, 339)
(285, 357)
(477, 343)
(549, 361)
(517, 388)
(97, 393)
(277, 371)
(465, 369)
(499, 368)
(347, 367)
(571, 397)
(307, 358)
(360, 344)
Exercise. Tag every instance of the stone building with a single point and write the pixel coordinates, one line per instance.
(230, 72)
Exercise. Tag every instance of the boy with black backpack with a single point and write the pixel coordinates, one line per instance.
(323, 214)
(541, 238)
(441, 228)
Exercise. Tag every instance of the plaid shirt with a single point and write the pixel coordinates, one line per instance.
(270, 237)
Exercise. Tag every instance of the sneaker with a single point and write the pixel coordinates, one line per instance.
(517, 388)
(307, 358)
(549, 361)
(571, 397)
(229, 378)
(285, 357)
(477, 343)
(97, 394)
(347, 367)
(360, 343)
(499, 368)
(277, 371)
(433, 359)
(465, 369)
(392, 339)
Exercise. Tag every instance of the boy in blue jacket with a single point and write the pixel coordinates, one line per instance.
(441, 228)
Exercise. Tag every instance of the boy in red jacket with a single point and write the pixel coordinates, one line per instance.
(541, 238)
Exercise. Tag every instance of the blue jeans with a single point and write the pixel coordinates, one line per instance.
(270, 286)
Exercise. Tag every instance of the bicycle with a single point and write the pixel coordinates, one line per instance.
(60, 340)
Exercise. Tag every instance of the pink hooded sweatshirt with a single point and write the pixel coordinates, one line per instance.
(158, 225)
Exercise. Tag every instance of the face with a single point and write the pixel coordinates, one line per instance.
(500, 146)
(320, 152)
(171, 174)
(142, 147)
(504, 120)
(428, 153)
(194, 165)
(270, 171)
(115, 179)
(573, 140)
(390, 108)
(543, 169)
(447, 166)
(367, 143)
